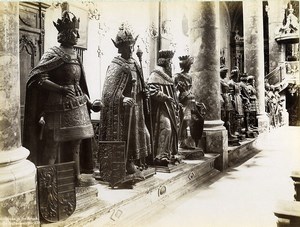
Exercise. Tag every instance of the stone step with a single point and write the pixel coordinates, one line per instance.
(240, 154)
(115, 207)
(288, 213)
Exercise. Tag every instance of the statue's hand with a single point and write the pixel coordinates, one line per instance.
(42, 121)
(67, 92)
(170, 99)
(127, 101)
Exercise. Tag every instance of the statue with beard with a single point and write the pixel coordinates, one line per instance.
(164, 110)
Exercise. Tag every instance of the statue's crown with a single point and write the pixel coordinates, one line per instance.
(184, 57)
(166, 54)
(124, 34)
(66, 23)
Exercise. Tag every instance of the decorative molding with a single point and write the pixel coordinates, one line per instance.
(30, 48)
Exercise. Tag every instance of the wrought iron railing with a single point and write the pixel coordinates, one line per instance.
(276, 75)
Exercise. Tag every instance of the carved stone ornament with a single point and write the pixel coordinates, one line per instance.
(56, 191)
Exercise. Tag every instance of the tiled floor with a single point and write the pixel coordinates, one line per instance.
(244, 195)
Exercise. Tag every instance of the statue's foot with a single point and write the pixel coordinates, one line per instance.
(130, 168)
(161, 162)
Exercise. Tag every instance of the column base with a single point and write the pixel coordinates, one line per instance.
(216, 141)
(18, 196)
(263, 123)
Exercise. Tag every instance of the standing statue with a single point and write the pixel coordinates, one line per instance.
(57, 109)
(191, 112)
(164, 110)
(226, 106)
(238, 116)
(124, 137)
(247, 106)
(253, 103)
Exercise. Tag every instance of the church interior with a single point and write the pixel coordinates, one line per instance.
(233, 79)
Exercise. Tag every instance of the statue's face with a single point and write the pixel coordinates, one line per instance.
(168, 66)
(69, 37)
(126, 50)
(74, 35)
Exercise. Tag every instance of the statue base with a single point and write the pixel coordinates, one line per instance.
(191, 154)
(233, 142)
(170, 168)
(86, 180)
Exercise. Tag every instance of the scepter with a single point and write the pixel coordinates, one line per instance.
(139, 54)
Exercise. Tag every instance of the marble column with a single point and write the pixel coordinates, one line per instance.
(17, 175)
(204, 33)
(254, 54)
(276, 10)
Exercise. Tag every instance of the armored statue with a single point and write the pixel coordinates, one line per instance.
(57, 109)
(238, 115)
(253, 102)
(124, 136)
(247, 106)
(165, 110)
(227, 106)
(191, 112)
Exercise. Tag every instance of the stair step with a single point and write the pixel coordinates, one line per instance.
(118, 206)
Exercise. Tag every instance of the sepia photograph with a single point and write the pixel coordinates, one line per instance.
(150, 113)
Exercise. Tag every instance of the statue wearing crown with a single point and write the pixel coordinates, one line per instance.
(165, 111)
(191, 112)
(57, 125)
(124, 137)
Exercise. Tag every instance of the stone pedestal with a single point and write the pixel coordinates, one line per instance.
(254, 54)
(18, 204)
(204, 33)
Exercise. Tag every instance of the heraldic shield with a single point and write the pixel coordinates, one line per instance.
(112, 161)
(56, 190)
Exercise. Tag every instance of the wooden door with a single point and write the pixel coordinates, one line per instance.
(31, 42)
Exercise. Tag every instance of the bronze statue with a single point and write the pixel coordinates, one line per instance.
(227, 106)
(191, 112)
(164, 110)
(124, 136)
(247, 106)
(253, 103)
(238, 114)
(57, 109)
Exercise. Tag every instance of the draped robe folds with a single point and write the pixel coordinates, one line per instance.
(164, 114)
(37, 100)
(114, 119)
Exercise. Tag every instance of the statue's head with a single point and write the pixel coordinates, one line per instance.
(67, 29)
(223, 71)
(124, 41)
(186, 62)
(165, 60)
(250, 80)
(235, 73)
(244, 78)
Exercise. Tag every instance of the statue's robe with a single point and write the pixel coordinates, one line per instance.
(165, 115)
(114, 119)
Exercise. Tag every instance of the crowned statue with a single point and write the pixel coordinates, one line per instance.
(57, 124)
(191, 112)
(124, 137)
